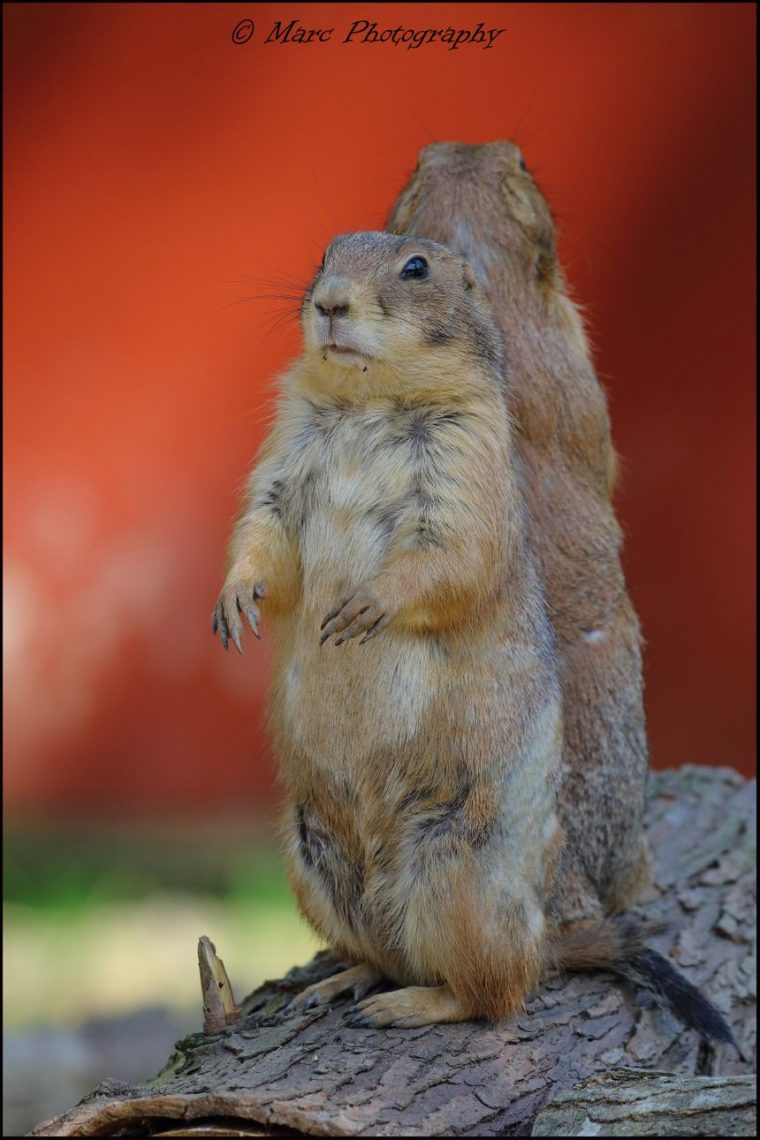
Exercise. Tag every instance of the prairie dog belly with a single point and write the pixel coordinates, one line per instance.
(337, 705)
(337, 702)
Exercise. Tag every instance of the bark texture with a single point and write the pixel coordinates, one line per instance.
(640, 1103)
(277, 1073)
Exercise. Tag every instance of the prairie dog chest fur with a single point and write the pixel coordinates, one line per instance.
(366, 474)
(356, 491)
(373, 479)
(353, 500)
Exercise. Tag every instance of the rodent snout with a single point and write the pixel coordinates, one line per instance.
(337, 309)
(332, 297)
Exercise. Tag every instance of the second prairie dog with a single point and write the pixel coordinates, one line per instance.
(415, 708)
(483, 202)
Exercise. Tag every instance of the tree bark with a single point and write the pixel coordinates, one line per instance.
(636, 1102)
(273, 1072)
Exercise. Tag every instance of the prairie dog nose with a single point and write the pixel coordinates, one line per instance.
(332, 297)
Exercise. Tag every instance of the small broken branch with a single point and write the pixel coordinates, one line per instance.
(219, 1009)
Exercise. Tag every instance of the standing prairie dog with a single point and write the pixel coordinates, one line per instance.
(482, 202)
(416, 705)
(415, 709)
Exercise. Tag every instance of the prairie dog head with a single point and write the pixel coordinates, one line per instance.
(457, 188)
(389, 312)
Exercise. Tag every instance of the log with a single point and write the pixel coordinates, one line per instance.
(637, 1102)
(274, 1072)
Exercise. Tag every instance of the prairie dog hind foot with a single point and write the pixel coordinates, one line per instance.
(359, 980)
(409, 1008)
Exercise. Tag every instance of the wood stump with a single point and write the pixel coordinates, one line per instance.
(277, 1073)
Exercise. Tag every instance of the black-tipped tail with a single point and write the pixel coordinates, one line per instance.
(655, 973)
(618, 944)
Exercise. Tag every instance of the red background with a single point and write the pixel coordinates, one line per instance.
(153, 168)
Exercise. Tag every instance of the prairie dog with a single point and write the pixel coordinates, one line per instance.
(416, 707)
(483, 202)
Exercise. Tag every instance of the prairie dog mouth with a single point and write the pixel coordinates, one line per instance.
(347, 355)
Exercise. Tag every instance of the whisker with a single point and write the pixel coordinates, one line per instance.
(260, 281)
(277, 320)
(293, 303)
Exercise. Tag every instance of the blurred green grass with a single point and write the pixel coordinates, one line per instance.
(78, 864)
(103, 919)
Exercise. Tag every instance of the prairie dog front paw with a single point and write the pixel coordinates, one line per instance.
(360, 611)
(239, 595)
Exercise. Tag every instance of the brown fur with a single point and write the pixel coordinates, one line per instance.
(481, 202)
(598, 944)
(415, 709)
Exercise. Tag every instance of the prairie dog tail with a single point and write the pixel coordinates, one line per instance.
(618, 944)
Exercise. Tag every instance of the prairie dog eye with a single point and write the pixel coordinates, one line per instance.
(415, 267)
(522, 164)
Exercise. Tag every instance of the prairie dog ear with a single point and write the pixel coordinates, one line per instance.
(468, 276)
